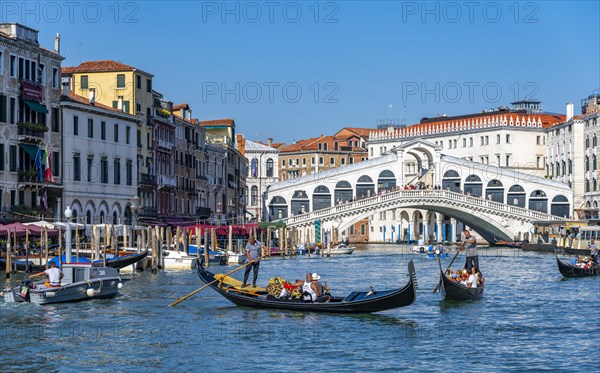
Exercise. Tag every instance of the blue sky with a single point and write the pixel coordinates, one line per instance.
(292, 70)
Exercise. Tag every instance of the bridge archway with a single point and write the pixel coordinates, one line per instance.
(473, 185)
(538, 201)
(365, 187)
(495, 191)
(343, 192)
(321, 198)
(451, 181)
(300, 202)
(516, 196)
(278, 208)
(386, 180)
(560, 206)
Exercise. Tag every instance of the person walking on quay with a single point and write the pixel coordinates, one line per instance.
(470, 243)
(253, 251)
(593, 251)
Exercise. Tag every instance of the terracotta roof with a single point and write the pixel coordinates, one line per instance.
(181, 106)
(508, 119)
(99, 66)
(217, 122)
(362, 132)
(82, 100)
(67, 70)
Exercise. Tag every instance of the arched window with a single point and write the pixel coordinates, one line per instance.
(594, 164)
(278, 209)
(587, 163)
(516, 196)
(321, 198)
(269, 167)
(570, 163)
(342, 192)
(587, 142)
(538, 201)
(560, 206)
(254, 167)
(102, 221)
(594, 140)
(300, 202)
(115, 218)
(495, 191)
(364, 187)
(564, 167)
(254, 196)
(557, 168)
(587, 185)
(88, 217)
(451, 181)
(386, 180)
(473, 185)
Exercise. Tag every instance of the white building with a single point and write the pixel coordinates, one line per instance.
(263, 172)
(572, 148)
(29, 120)
(100, 153)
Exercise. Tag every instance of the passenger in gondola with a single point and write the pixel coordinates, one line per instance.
(322, 297)
(473, 279)
(463, 279)
(310, 290)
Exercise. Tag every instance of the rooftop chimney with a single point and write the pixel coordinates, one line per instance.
(241, 143)
(570, 109)
(270, 142)
(92, 93)
(120, 103)
(57, 44)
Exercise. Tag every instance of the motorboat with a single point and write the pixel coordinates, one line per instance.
(177, 260)
(215, 257)
(81, 281)
(341, 249)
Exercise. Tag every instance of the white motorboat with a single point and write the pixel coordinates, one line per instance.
(341, 249)
(81, 281)
(419, 249)
(176, 260)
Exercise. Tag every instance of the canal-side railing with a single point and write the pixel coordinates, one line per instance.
(421, 196)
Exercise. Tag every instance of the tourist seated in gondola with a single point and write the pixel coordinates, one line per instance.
(463, 279)
(473, 279)
(310, 291)
(322, 297)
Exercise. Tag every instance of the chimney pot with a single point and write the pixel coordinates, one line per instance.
(570, 111)
(270, 142)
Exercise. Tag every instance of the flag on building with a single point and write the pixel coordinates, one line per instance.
(39, 165)
(47, 160)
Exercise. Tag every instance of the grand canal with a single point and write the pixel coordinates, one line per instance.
(530, 319)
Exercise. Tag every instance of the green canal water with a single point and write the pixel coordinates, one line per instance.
(530, 319)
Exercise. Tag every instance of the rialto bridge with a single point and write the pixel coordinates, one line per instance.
(420, 193)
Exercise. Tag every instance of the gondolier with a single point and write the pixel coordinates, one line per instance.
(472, 259)
(253, 251)
(593, 251)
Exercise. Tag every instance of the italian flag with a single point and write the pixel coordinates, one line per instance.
(46, 160)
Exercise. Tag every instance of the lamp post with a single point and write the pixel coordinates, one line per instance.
(68, 215)
(219, 212)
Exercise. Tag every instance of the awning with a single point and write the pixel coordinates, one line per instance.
(36, 106)
(32, 150)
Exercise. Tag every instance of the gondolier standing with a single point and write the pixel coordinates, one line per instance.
(593, 251)
(253, 251)
(472, 257)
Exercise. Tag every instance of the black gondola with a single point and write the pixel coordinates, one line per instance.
(455, 291)
(568, 270)
(355, 302)
(122, 261)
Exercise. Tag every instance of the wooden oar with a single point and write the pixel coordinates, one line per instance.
(450, 265)
(207, 285)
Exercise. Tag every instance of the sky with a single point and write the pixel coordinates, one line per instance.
(291, 70)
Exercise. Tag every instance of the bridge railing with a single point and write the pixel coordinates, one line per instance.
(433, 194)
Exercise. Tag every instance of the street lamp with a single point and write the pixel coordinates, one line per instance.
(68, 215)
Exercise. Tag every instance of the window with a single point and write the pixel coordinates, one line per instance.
(149, 85)
(538, 140)
(3, 111)
(117, 171)
(269, 167)
(283, 163)
(84, 82)
(75, 125)
(594, 140)
(76, 168)
(13, 68)
(138, 82)
(1, 157)
(351, 160)
(325, 146)
(321, 160)
(470, 142)
(332, 161)
(507, 160)
(497, 139)
(90, 166)
(304, 161)
(587, 163)
(343, 161)
(464, 143)
(120, 80)
(55, 164)
(508, 139)
(116, 132)
(587, 142)
(129, 172)
(54, 77)
(21, 68)
(127, 135)
(55, 120)
(103, 170)
(42, 76)
(90, 128)
(362, 229)
(103, 130)
(481, 141)
(126, 106)
(254, 196)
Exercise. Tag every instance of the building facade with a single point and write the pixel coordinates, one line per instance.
(263, 161)
(29, 125)
(99, 161)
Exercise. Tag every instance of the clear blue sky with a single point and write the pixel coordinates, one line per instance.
(353, 58)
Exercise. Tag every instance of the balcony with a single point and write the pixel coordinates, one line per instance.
(31, 132)
(165, 144)
(165, 181)
(29, 177)
(146, 179)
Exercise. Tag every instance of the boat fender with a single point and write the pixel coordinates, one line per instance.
(90, 292)
(120, 285)
(49, 294)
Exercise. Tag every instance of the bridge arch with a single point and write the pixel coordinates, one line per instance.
(473, 185)
(560, 206)
(278, 208)
(495, 191)
(365, 187)
(321, 198)
(538, 201)
(516, 196)
(300, 202)
(343, 192)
